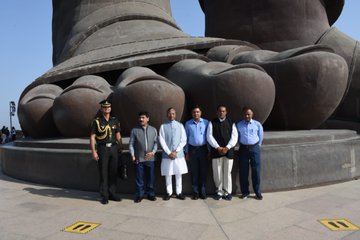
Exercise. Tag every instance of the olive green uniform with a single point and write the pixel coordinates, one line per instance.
(107, 150)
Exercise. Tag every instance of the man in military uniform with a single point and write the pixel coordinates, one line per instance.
(105, 132)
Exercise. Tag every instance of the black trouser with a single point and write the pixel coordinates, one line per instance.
(108, 161)
(198, 168)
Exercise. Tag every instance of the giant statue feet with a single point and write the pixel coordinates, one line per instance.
(134, 54)
(310, 82)
(255, 78)
(280, 25)
(138, 88)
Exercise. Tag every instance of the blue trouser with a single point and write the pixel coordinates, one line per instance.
(144, 168)
(198, 168)
(107, 169)
(249, 155)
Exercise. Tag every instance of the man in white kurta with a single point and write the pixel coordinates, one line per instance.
(172, 138)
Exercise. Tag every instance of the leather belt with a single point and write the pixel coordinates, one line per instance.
(196, 147)
(249, 145)
(106, 144)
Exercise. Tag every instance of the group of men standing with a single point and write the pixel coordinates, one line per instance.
(199, 142)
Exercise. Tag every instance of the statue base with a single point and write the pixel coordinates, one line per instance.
(290, 159)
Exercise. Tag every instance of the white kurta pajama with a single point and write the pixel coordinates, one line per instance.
(170, 133)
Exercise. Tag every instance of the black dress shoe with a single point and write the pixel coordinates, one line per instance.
(244, 196)
(166, 197)
(138, 199)
(203, 196)
(180, 196)
(227, 197)
(104, 201)
(259, 196)
(151, 198)
(217, 197)
(195, 196)
(115, 198)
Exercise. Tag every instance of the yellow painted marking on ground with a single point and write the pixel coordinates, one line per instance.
(81, 227)
(339, 225)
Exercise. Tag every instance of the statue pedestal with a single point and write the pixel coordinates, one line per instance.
(290, 159)
(293, 159)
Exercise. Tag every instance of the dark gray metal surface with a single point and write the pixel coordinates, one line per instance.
(95, 43)
(290, 159)
(280, 25)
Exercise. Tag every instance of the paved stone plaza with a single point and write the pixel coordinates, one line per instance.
(34, 212)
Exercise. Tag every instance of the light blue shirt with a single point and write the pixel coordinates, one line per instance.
(196, 132)
(250, 132)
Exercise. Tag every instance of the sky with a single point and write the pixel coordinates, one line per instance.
(26, 47)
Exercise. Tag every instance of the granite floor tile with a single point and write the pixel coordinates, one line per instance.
(35, 212)
(163, 228)
(263, 223)
(320, 204)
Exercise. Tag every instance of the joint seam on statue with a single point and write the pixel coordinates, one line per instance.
(155, 6)
(353, 62)
(39, 97)
(125, 3)
(93, 29)
(137, 53)
(95, 88)
(324, 35)
(52, 77)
